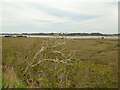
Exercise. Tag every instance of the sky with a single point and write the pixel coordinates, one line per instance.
(65, 16)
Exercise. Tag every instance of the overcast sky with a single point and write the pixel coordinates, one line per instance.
(60, 16)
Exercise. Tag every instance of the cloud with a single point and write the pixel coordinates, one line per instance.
(61, 13)
(59, 16)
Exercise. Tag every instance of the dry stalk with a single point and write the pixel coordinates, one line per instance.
(56, 60)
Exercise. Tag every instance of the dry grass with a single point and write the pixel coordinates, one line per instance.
(56, 63)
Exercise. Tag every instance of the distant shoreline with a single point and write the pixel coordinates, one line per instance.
(64, 37)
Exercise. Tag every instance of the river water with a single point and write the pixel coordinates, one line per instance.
(76, 37)
(72, 37)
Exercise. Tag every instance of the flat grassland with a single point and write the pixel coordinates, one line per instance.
(59, 63)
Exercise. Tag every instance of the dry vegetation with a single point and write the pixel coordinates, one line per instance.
(59, 63)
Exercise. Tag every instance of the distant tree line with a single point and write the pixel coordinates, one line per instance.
(63, 34)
